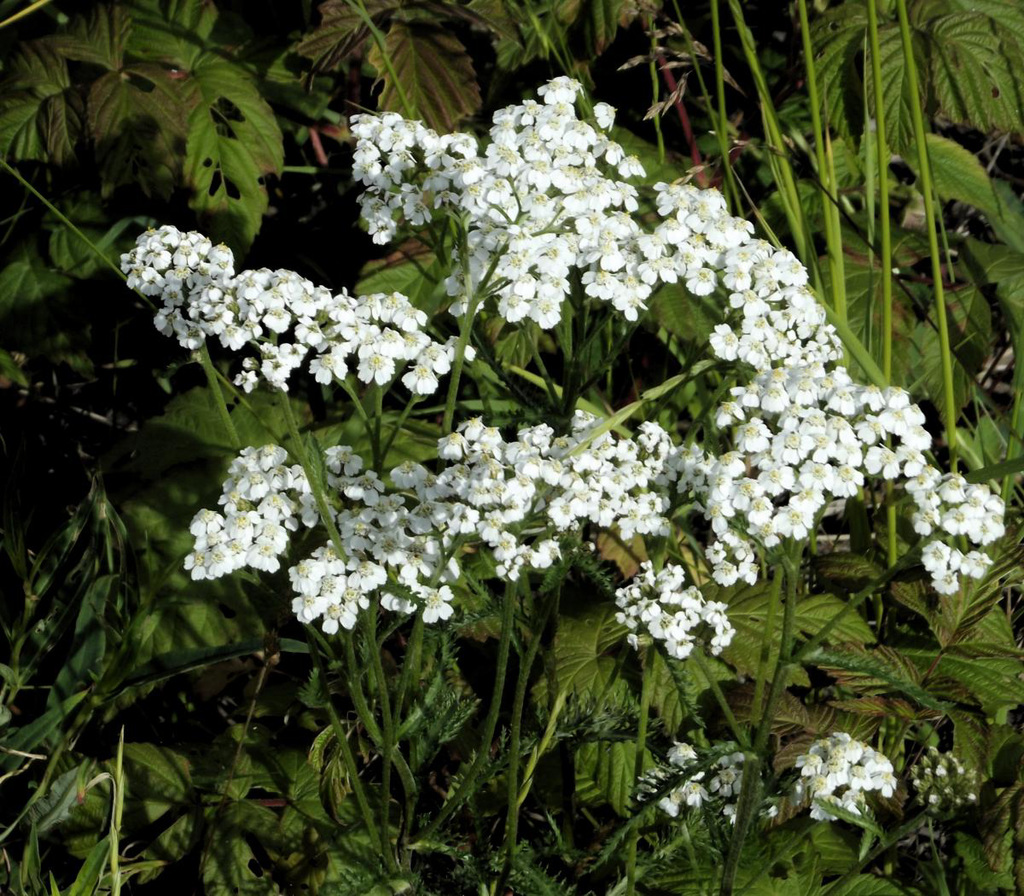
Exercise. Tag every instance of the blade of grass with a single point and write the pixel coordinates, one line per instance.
(927, 193)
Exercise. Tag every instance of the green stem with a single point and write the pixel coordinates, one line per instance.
(515, 739)
(841, 885)
(347, 755)
(830, 209)
(312, 477)
(927, 193)
(355, 690)
(380, 41)
(646, 690)
(66, 221)
(389, 731)
(723, 704)
(722, 123)
(749, 798)
(778, 155)
(482, 756)
(766, 643)
(218, 396)
(465, 331)
(410, 404)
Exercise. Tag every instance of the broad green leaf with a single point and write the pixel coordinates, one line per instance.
(969, 319)
(413, 271)
(40, 112)
(137, 119)
(957, 173)
(435, 73)
(342, 31)
(975, 70)
(234, 143)
(606, 770)
(55, 805)
(35, 316)
(601, 22)
(582, 642)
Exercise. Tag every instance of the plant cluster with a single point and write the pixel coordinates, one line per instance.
(587, 496)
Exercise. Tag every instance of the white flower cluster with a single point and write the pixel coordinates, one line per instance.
(545, 209)
(546, 206)
(402, 540)
(664, 607)
(840, 771)
(263, 499)
(942, 782)
(542, 483)
(203, 298)
(720, 784)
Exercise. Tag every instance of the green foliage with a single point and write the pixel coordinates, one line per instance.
(249, 768)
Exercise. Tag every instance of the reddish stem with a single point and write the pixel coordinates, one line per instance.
(318, 147)
(684, 120)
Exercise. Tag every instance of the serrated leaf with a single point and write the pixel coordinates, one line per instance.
(879, 670)
(234, 142)
(41, 114)
(970, 333)
(434, 70)
(607, 769)
(975, 71)
(137, 120)
(341, 32)
(957, 173)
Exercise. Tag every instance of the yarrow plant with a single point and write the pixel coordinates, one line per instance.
(545, 230)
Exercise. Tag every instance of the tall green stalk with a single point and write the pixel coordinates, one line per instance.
(749, 798)
(826, 172)
(722, 123)
(348, 758)
(468, 784)
(646, 689)
(778, 156)
(515, 739)
(927, 194)
(885, 232)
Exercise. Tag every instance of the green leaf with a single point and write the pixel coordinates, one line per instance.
(340, 33)
(957, 173)
(600, 23)
(137, 118)
(880, 669)
(40, 112)
(605, 770)
(435, 71)
(35, 315)
(975, 70)
(54, 807)
(970, 334)
(234, 142)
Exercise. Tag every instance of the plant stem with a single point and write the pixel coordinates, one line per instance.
(749, 800)
(515, 738)
(315, 486)
(722, 123)
(346, 753)
(778, 158)
(389, 730)
(490, 722)
(380, 41)
(465, 331)
(218, 396)
(927, 194)
(646, 689)
(723, 704)
(115, 819)
(766, 644)
(830, 209)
